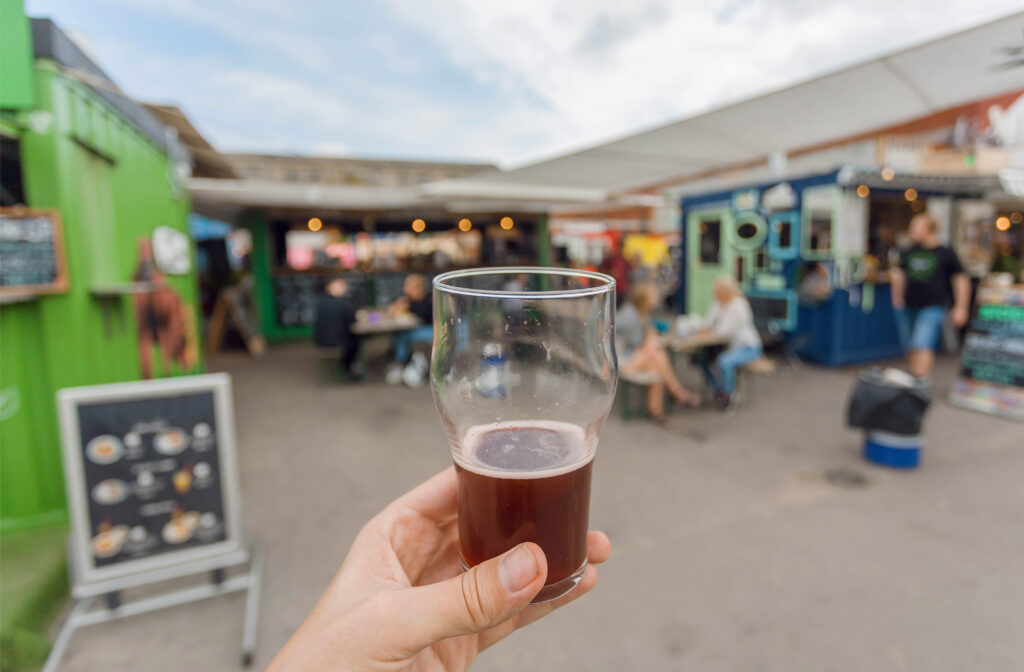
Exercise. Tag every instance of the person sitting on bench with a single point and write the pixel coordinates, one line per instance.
(640, 353)
(332, 327)
(730, 318)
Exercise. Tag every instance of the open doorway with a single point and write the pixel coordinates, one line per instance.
(12, 186)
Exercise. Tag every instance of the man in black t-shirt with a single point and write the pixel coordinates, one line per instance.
(928, 281)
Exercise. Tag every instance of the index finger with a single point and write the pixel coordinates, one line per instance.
(435, 498)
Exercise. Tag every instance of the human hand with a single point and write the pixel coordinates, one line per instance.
(400, 602)
(399, 305)
(958, 316)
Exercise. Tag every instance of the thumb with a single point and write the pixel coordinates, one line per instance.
(475, 600)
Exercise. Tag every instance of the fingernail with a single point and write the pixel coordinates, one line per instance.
(517, 568)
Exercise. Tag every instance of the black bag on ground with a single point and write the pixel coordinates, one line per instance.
(888, 402)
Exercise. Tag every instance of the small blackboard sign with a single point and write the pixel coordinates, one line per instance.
(31, 252)
(151, 475)
(994, 346)
(295, 299)
(992, 361)
(776, 309)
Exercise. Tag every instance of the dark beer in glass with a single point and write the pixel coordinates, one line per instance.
(523, 373)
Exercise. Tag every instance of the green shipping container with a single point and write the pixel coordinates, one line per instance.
(113, 173)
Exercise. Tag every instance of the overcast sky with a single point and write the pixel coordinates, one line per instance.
(508, 81)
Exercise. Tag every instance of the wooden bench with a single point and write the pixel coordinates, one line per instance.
(330, 370)
(633, 391)
(746, 378)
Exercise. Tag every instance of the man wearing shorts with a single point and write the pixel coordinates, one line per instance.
(928, 281)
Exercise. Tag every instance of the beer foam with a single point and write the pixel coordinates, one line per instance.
(561, 447)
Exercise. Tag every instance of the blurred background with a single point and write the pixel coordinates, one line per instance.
(248, 187)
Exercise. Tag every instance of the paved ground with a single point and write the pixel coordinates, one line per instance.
(731, 551)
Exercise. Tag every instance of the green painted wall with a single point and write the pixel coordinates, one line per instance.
(261, 266)
(16, 88)
(112, 186)
(543, 241)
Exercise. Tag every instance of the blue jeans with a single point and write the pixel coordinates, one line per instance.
(920, 328)
(404, 340)
(727, 363)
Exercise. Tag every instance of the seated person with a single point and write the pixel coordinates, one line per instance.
(816, 286)
(730, 318)
(417, 300)
(332, 327)
(640, 352)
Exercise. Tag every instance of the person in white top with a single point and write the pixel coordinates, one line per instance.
(730, 318)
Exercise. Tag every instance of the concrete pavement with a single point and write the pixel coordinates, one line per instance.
(731, 548)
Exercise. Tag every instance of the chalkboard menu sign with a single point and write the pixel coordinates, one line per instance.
(992, 363)
(295, 299)
(295, 295)
(151, 475)
(31, 252)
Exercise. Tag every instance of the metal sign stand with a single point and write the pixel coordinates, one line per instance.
(83, 614)
(197, 413)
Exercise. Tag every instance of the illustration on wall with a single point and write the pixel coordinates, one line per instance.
(163, 319)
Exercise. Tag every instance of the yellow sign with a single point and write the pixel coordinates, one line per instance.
(653, 250)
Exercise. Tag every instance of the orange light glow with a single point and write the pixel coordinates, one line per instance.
(863, 191)
(888, 173)
(506, 223)
(1003, 223)
(314, 224)
(418, 225)
(465, 224)
(910, 194)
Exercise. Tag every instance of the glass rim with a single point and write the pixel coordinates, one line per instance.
(441, 282)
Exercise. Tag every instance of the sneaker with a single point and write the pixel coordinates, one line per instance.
(415, 373)
(393, 375)
(721, 400)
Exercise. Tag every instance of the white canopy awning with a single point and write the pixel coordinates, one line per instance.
(221, 197)
(905, 85)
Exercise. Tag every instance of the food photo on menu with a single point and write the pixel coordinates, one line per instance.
(152, 473)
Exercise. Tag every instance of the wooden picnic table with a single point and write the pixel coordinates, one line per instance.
(382, 322)
(693, 342)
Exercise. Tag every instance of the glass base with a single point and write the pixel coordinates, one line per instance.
(551, 591)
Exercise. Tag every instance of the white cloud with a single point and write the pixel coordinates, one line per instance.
(565, 73)
(270, 25)
(243, 109)
(606, 67)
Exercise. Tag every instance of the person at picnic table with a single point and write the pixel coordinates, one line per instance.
(730, 319)
(332, 327)
(417, 301)
(641, 354)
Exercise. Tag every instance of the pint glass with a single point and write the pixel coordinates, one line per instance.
(523, 373)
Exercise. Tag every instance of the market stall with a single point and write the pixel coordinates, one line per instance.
(294, 256)
(820, 247)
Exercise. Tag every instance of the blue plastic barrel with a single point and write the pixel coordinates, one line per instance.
(892, 450)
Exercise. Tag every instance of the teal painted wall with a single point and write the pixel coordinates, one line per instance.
(111, 185)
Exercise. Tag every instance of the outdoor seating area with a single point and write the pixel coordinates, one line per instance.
(753, 508)
(385, 332)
